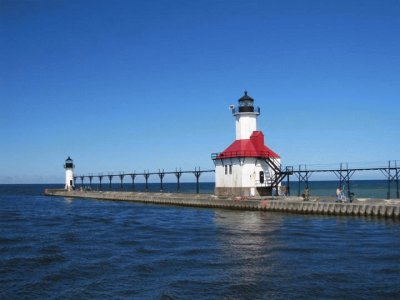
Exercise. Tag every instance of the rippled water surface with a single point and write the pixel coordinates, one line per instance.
(73, 248)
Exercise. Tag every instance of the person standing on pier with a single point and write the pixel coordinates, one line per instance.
(338, 193)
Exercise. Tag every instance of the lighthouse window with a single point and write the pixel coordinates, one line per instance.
(226, 169)
(230, 169)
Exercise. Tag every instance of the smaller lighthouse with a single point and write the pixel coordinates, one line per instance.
(69, 174)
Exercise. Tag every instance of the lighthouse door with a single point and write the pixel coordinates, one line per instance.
(70, 182)
(261, 177)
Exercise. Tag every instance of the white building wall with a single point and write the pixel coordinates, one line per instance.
(69, 175)
(246, 123)
(245, 172)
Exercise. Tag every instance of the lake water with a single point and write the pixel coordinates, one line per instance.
(74, 248)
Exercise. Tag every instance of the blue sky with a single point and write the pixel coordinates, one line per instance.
(142, 85)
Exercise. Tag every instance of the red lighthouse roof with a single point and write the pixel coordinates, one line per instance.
(253, 147)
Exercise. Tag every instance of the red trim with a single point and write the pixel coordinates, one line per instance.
(253, 147)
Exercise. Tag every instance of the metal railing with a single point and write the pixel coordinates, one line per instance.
(197, 172)
(236, 110)
(243, 154)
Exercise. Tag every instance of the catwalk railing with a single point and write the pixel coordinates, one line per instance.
(303, 174)
(344, 175)
(197, 172)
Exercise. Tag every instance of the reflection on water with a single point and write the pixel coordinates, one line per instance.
(68, 200)
(247, 238)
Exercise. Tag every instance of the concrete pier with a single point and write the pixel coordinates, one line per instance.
(328, 206)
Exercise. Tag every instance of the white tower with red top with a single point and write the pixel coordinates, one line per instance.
(247, 167)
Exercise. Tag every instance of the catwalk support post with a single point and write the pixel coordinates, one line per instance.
(100, 180)
(392, 173)
(133, 176)
(344, 176)
(197, 173)
(178, 175)
(90, 180)
(146, 178)
(303, 176)
(121, 178)
(110, 176)
(161, 174)
(397, 179)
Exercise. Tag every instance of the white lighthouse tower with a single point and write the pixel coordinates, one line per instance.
(247, 167)
(69, 174)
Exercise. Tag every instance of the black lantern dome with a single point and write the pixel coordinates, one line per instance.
(246, 103)
(69, 164)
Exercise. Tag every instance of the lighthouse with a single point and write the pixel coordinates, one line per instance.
(69, 174)
(247, 167)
